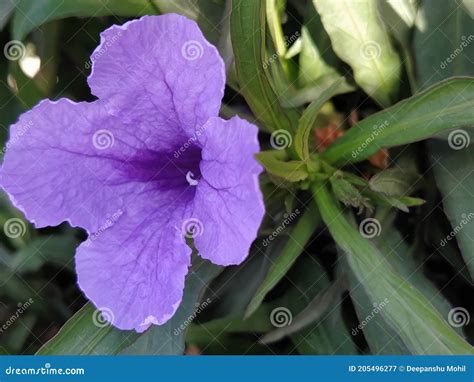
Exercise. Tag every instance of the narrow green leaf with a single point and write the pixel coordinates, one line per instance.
(247, 24)
(80, 336)
(299, 237)
(30, 14)
(328, 334)
(400, 202)
(275, 163)
(381, 337)
(445, 106)
(359, 39)
(311, 313)
(231, 334)
(309, 116)
(236, 285)
(422, 329)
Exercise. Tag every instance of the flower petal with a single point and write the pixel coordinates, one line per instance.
(134, 269)
(228, 202)
(69, 161)
(160, 69)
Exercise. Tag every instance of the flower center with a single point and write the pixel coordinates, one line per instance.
(166, 170)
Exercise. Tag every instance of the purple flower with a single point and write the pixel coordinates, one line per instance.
(141, 169)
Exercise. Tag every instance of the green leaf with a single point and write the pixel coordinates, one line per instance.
(6, 9)
(359, 39)
(397, 253)
(444, 46)
(231, 334)
(453, 171)
(399, 16)
(293, 97)
(316, 308)
(236, 285)
(80, 336)
(31, 14)
(393, 182)
(310, 115)
(422, 329)
(445, 106)
(247, 24)
(299, 237)
(400, 202)
(347, 193)
(275, 10)
(87, 333)
(317, 59)
(377, 330)
(275, 163)
(328, 333)
(443, 41)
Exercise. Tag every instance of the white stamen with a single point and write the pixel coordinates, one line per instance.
(190, 179)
